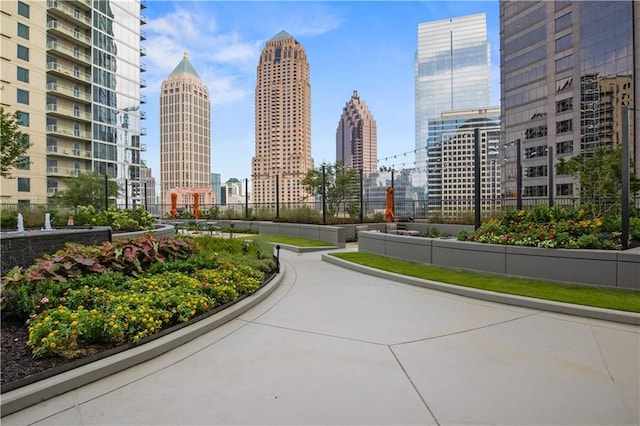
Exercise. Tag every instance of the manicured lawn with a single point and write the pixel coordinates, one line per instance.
(602, 298)
(294, 241)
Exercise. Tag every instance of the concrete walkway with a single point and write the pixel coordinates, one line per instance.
(334, 346)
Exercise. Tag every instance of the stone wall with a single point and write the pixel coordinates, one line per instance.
(22, 248)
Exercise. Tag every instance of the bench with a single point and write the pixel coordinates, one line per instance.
(401, 229)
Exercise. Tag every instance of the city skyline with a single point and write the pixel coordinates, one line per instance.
(365, 46)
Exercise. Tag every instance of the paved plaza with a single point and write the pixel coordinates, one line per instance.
(333, 346)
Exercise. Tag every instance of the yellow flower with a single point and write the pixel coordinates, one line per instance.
(74, 324)
(47, 319)
(39, 325)
(43, 340)
(115, 326)
(80, 307)
(52, 345)
(133, 318)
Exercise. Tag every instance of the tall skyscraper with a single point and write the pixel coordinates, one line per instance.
(283, 122)
(185, 131)
(567, 68)
(357, 136)
(452, 71)
(72, 69)
(451, 186)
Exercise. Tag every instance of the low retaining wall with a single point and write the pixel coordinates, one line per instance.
(22, 248)
(332, 234)
(162, 230)
(600, 268)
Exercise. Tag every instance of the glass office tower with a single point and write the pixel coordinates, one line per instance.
(567, 68)
(452, 71)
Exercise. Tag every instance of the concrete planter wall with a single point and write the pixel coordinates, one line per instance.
(332, 234)
(162, 230)
(600, 268)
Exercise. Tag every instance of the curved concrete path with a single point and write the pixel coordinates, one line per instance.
(334, 346)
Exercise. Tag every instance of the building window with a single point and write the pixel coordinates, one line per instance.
(563, 22)
(23, 9)
(564, 189)
(564, 126)
(24, 184)
(23, 119)
(23, 53)
(22, 96)
(565, 147)
(23, 163)
(564, 64)
(564, 43)
(23, 75)
(23, 31)
(564, 105)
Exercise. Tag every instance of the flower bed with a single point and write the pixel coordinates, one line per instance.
(121, 292)
(553, 227)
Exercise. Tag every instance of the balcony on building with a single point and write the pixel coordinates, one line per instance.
(143, 51)
(65, 31)
(65, 151)
(143, 35)
(143, 4)
(58, 8)
(143, 82)
(65, 71)
(65, 171)
(143, 19)
(68, 92)
(68, 131)
(143, 99)
(68, 52)
(66, 112)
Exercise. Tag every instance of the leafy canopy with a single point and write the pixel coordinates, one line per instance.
(341, 184)
(600, 176)
(87, 189)
(13, 142)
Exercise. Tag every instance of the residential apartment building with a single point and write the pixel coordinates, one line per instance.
(452, 71)
(357, 136)
(282, 122)
(72, 69)
(567, 69)
(185, 132)
(451, 162)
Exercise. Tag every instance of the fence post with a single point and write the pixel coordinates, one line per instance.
(106, 192)
(324, 198)
(625, 178)
(476, 168)
(277, 197)
(246, 198)
(518, 175)
(361, 197)
(550, 171)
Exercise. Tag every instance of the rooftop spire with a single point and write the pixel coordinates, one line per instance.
(185, 67)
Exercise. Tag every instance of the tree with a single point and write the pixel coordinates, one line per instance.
(600, 177)
(340, 185)
(87, 189)
(13, 142)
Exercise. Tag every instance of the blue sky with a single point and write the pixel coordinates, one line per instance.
(363, 46)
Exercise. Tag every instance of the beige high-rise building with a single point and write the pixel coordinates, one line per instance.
(185, 131)
(357, 136)
(73, 72)
(282, 122)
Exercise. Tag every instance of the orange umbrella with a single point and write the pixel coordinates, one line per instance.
(174, 205)
(388, 212)
(196, 205)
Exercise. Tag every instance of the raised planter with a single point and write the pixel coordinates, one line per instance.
(22, 248)
(601, 268)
